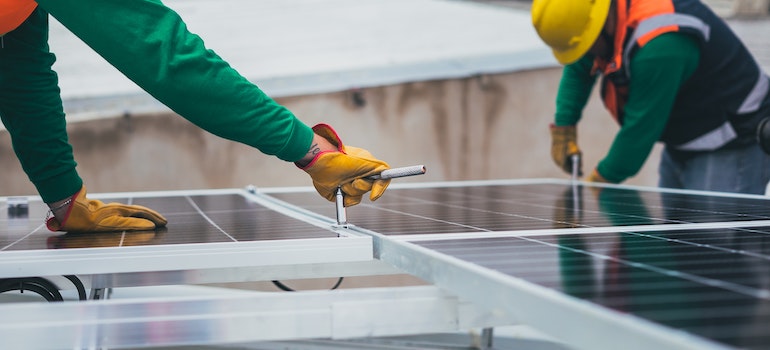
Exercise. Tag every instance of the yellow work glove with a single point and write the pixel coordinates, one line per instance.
(596, 177)
(347, 168)
(91, 215)
(564, 146)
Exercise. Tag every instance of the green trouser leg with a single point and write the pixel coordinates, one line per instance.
(31, 109)
(150, 44)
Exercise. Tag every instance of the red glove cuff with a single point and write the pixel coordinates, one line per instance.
(325, 131)
(52, 223)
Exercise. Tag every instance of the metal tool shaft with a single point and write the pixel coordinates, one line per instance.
(399, 172)
(575, 166)
(342, 218)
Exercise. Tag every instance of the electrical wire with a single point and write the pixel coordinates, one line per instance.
(286, 288)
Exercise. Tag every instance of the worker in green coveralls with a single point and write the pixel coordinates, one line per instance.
(671, 71)
(150, 44)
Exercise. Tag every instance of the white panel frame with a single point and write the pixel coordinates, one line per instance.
(183, 257)
(200, 263)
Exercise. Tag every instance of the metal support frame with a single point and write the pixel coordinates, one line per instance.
(338, 314)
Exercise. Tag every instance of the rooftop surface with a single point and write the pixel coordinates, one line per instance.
(298, 47)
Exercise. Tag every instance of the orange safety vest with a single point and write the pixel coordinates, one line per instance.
(628, 19)
(13, 13)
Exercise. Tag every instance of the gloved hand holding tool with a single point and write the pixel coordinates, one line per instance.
(564, 146)
(567, 155)
(347, 168)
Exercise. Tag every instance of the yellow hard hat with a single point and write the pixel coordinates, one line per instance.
(569, 27)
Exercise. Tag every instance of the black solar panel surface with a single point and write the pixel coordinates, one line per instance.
(206, 218)
(437, 210)
(713, 283)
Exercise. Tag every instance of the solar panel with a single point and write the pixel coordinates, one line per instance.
(713, 283)
(206, 229)
(690, 261)
(226, 217)
(534, 206)
(594, 265)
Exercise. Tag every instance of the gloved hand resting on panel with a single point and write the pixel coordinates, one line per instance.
(80, 214)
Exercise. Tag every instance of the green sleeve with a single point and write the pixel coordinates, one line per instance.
(31, 109)
(574, 89)
(150, 44)
(658, 70)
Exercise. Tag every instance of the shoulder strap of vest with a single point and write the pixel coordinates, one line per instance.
(664, 23)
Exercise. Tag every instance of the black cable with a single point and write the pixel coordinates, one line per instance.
(34, 288)
(78, 285)
(37, 285)
(282, 286)
(43, 291)
(286, 288)
(49, 286)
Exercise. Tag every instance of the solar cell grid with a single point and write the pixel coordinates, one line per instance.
(516, 207)
(713, 283)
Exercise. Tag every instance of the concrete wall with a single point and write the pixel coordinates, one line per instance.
(487, 127)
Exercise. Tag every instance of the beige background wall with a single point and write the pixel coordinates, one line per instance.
(487, 127)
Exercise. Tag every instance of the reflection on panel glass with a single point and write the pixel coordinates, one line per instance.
(711, 282)
(529, 207)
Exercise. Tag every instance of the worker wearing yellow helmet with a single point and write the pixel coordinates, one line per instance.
(150, 44)
(670, 71)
